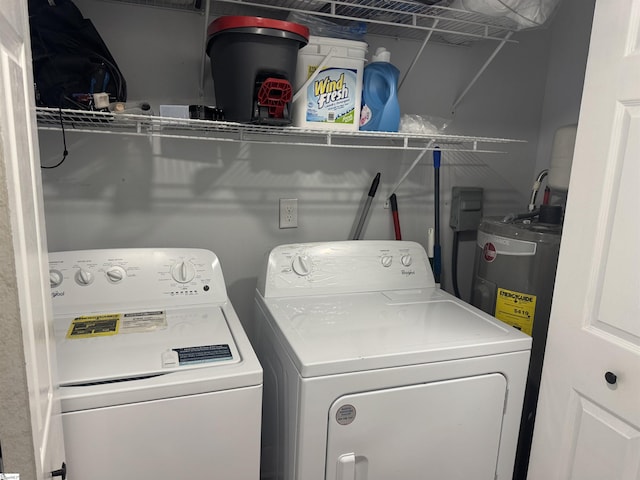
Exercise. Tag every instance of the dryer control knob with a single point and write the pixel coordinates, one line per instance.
(116, 274)
(84, 277)
(301, 265)
(406, 260)
(183, 272)
(386, 260)
(55, 278)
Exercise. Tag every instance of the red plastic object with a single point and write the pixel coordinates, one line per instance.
(230, 22)
(274, 94)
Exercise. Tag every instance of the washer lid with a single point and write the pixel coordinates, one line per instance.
(118, 346)
(348, 333)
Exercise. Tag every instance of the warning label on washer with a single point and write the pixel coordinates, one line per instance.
(143, 322)
(94, 326)
(516, 309)
(204, 353)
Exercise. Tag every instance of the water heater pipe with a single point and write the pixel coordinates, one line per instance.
(536, 188)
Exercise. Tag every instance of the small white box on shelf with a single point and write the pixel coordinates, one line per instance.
(174, 111)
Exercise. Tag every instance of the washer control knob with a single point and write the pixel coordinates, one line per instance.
(386, 260)
(84, 277)
(183, 272)
(116, 274)
(55, 278)
(406, 260)
(301, 265)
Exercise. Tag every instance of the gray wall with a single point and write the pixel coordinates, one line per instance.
(567, 63)
(115, 191)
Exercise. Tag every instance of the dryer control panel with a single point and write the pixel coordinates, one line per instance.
(88, 280)
(345, 267)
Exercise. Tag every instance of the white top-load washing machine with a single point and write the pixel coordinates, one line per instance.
(372, 372)
(158, 379)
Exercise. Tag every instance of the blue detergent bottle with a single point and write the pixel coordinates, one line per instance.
(380, 108)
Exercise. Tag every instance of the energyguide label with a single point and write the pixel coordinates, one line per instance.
(516, 309)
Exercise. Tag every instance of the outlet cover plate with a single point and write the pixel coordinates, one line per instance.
(288, 213)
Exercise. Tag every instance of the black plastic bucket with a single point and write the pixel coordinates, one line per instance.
(244, 53)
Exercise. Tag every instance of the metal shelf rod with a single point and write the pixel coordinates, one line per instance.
(203, 63)
(413, 165)
(417, 56)
(480, 72)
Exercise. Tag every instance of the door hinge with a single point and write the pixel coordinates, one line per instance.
(61, 472)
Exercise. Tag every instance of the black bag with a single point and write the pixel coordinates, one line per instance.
(70, 60)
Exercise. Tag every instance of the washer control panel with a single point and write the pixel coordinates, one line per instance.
(84, 279)
(345, 267)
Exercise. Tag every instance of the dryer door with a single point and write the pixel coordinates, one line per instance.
(447, 430)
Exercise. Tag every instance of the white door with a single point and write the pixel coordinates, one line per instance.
(25, 244)
(588, 422)
(450, 429)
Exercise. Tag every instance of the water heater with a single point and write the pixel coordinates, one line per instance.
(514, 271)
(514, 274)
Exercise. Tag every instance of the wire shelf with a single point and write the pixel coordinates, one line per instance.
(145, 125)
(196, 6)
(392, 18)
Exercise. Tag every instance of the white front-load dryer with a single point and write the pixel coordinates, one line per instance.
(372, 372)
(158, 379)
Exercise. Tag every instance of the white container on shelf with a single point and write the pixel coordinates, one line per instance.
(329, 84)
(564, 142)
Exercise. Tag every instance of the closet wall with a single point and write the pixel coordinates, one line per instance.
(123, 191)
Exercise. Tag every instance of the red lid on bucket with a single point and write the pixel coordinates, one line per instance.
(226, 23)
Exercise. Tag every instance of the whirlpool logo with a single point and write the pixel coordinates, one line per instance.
(57, 294)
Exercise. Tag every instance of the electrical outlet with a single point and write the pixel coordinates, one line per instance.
(288, 213)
